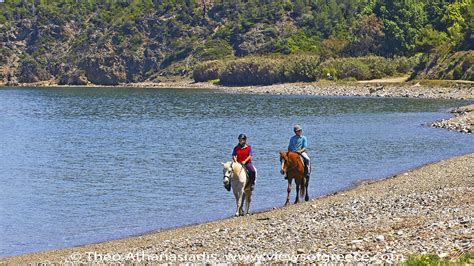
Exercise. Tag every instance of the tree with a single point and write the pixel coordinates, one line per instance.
(455, 19)
(429, 39)
(403, 21)
(367, 36)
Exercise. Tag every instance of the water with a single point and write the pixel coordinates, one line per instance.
(82, 165)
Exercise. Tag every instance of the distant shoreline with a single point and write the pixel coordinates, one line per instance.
(390, 87)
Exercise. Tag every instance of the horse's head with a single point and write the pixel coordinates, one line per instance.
(228, 172)
(283, 160)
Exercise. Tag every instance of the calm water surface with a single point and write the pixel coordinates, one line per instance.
(82, 165)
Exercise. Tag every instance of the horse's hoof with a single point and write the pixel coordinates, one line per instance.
(306, 198)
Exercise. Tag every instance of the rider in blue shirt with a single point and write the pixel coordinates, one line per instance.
(299, 143)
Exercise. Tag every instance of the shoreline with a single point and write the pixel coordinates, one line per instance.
(390, 87)
(462, 121)
(138, 241)
(211, 237)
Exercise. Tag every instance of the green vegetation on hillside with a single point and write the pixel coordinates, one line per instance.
(109, 42)
(265, 70)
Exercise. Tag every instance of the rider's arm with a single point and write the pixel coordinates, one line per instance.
(246, 160)
(248, 157)
(234, 155)
(304, 144)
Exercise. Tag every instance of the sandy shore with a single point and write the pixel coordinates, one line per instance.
(429, 209)
(390, 87)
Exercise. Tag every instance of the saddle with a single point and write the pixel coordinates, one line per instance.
(301, 158)
(246, 170)
(247, 174)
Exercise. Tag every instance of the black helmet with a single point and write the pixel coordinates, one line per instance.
(242, 136)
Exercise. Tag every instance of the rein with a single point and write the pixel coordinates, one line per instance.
(232, 167)
(290, 168)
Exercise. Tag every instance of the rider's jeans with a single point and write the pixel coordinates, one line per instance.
(307, 161)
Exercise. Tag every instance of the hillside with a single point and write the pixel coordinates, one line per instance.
(112, 42)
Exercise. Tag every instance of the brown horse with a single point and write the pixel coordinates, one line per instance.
(292, 165)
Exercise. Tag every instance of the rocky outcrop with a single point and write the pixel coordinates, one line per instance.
(103, 70)
(258, 39)
(459, 65)
(73, 78)
(463, 120)
(31, 71)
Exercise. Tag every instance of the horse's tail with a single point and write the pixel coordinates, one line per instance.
(303, 188)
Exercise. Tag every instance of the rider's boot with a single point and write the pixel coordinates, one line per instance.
(252, 182)
(306, 171)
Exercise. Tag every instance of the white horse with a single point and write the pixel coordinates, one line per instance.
(236, 177)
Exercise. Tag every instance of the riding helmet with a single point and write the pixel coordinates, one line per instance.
(242, 136)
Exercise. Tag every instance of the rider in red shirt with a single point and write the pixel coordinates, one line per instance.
(243, 154)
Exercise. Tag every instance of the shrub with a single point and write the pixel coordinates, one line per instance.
(444, 64)
(214, 50)
(209, 70)
(405, 64)
(328, 70)
(379, 66)
(354, 68)
(264, 70)
(428, 259)
(301, 68)
(368, 67)
(252, 71)
(345, 68)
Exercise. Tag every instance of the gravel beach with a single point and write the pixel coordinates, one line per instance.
(463, 120)
(458, 91)
(429, 209)
(372, 88)
(426, 210)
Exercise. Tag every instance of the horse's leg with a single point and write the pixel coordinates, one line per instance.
(242, 203)
(306, 197)
(288, 191)
(248, 195)
(237, 197)
(298, 186)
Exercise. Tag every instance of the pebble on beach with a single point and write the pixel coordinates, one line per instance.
(426, 210)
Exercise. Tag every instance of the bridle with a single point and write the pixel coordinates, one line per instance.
(286, 162)
(232, 170)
